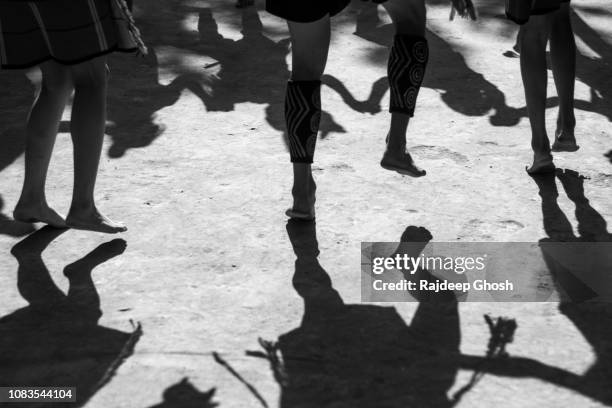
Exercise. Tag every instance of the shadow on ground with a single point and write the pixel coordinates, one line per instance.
(363, 355)
(580, 266)
(185, 395)
(594, 72)
(56, 340)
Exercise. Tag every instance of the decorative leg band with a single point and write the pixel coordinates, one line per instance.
(302, 115)
(406, 69)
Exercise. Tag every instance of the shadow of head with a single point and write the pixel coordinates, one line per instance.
(185, 395)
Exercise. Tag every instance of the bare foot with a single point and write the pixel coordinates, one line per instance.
(542, 163)
(92, 220)
(565, 141)
(38, 212)
(304, 197)
(402, 163)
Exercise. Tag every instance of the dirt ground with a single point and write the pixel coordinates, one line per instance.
(195, 163)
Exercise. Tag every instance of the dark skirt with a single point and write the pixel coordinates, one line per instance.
(305, 11)
(546, 6)
(66, 31)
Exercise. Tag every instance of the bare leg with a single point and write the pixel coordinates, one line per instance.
(310, 47)
(563, 58)
(409, 19)
(42, 127)
(533, 37)
(87, 128)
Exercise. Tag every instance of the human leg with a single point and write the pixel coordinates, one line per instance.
(41, 132)
(310, 46)
(563, 59)
(406, 69)
(87, 129)
(533, 37)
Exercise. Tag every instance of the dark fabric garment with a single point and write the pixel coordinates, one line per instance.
(307, 11)
(303, 11)
(546, 6)
(66, 31)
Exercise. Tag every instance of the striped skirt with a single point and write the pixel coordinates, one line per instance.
(66, 31)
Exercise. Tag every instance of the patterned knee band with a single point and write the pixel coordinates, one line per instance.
(302, 115)
(406, 69)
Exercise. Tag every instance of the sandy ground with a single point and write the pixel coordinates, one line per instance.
(196, 165)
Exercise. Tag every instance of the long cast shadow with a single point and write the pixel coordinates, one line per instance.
(56, 339)
(580, 266)
(361, 355)
(347, 355)
(135, 97)
(594, 72)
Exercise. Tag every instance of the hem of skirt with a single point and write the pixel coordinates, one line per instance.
(294, 20)
(116, 48)
(401, 110)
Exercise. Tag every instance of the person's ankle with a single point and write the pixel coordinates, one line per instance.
(31, 199)
(543, 153)
(395, 147)
(82, 206)
(565, 134)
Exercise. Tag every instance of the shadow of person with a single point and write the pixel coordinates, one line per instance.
(135, 96)
(594, 72)
(56, 339)
(461, 88)
(345, 355)
(581, 267)
(251, 69)
(185, 395)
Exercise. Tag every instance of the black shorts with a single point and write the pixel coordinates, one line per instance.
(308, 11)
(305, 11)
(546, 6)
